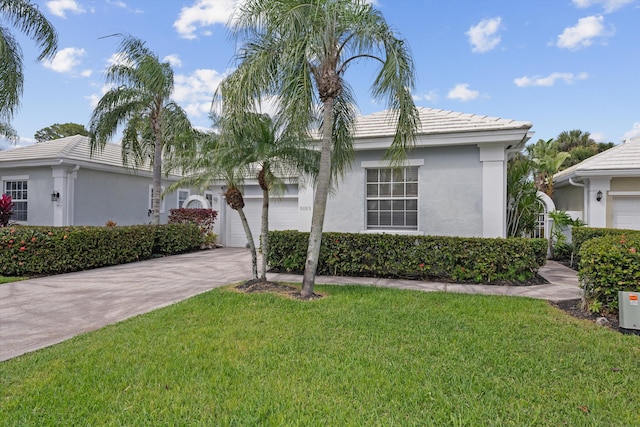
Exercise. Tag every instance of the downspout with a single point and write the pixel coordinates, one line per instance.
(585, 204)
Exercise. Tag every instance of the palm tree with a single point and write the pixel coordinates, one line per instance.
(259, 149)
(29, 20)
(270, 153)
(141, 101)
(548, 161)
(298, 51)
(523, 205)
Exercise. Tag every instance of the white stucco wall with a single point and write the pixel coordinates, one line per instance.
(103, 196)
(40, 185)
(449, 193)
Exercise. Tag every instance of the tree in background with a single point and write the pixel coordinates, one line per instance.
(298, 51)
(57, 131)
(580, 146)
(548, 160)
(140, 99)
(26, 17)
(523, 204)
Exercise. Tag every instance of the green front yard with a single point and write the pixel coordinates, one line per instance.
(359, 356)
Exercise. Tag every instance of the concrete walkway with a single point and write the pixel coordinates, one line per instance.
(40, 312)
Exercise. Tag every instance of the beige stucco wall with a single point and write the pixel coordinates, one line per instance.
(569, 198)
(625, 184)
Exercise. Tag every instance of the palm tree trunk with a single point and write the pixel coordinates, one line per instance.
(157, 181)
(319, 201)
(252, 245)
(264, 232)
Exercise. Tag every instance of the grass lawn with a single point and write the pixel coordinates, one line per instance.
(4, 279)
(360, 356)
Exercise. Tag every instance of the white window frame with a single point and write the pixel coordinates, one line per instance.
(376, 196)
(17, 178)
(180, 203)
(151, 200)
(208, 195)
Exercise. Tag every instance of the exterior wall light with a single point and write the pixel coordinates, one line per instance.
(599, 195)
(55, 196)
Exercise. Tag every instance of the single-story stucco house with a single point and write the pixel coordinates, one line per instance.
(603, 190)
(452, 183)
(58, 183)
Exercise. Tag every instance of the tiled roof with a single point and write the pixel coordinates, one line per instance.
(73, 148)
(622, 157)
(434, 121)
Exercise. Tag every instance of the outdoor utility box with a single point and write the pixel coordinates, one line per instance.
(629, 310)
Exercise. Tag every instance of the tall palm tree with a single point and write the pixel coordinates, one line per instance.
(25, 16)
(299, 52)
(140, 100)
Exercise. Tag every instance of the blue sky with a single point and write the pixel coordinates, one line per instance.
(560, 64)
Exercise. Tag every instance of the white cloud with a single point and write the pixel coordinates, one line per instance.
(608, 5)
(194, 92)
(550, 80)
(86, 73)
(633, 133)
(484, 36)
(598, 137)
(60, 7)
(462, 92)
(203, 13)
(583, 33)
(65, 60)
(95, 97)
(174, 60)
(431, 96)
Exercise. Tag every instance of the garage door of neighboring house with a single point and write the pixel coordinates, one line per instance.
(626, 212)
(282, 216)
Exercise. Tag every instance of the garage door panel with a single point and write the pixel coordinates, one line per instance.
(282, 216)
(626, 213)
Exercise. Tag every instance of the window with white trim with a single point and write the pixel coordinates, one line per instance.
(18, 192)
(209, 196)
(392, 198)
(182, 196)
(151, 199)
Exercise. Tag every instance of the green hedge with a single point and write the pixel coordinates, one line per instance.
(177, 238)
(416, 257)
(26, 250)
(579, 235)
(607, 265)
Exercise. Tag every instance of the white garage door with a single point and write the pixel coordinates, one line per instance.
(626, 212)
(282, 216)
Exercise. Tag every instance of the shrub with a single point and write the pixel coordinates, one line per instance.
(416, 257)
(204, 218)
(582, 234)
(607, 265)
(177, 238)
(6, 210)
(50, 250)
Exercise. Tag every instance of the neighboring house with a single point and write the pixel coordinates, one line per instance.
(603, 190)
(58, 183)
(452, 183)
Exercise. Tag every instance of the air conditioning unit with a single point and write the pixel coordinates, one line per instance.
(629, 310)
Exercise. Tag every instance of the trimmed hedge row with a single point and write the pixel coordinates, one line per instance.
(29, 250)
(416, 257)
(607, 265)
(579, 235)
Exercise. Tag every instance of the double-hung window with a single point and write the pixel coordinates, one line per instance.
(151, 199)
(182, 196)
(18, 190)
(392, 198)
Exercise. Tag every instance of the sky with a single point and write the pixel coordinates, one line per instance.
(559, 64)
